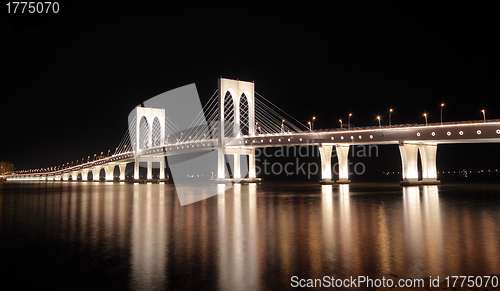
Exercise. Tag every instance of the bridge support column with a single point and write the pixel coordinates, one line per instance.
(162, 168)
(122, 171)
(409, 159)
(325, 152)
(342, 156)
(150, 170)
(251, 164)
(65, 177)
(110, 169)
(74, 176)
(237, 172)
(85, 173)
(136, 169)
(96, 174)
(428, 159)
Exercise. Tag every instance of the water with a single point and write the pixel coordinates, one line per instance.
(82, 236)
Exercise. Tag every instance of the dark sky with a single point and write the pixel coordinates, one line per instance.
(69, 81)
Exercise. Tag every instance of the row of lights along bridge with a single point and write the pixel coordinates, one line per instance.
(311, 123)
(64, 166)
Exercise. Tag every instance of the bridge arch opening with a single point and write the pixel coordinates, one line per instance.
(102, 173)
(229, 113)
(143, 133)
(116, 172)
(244, 115)
(156, 133)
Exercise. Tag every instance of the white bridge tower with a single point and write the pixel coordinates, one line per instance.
(237, 91)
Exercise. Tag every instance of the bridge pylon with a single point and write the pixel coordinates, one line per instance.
(237, 91)
(143, 140)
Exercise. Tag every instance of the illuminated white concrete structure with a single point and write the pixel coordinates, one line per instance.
(428, 159)
(409, 155)
(122, 167)
(238, 90)
(325, 152)
(85, 173)
(342, 155)
(150, 114)
(409, 159)
(109, 169)
(96, 172)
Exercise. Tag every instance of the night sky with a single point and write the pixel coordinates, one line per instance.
(69, 81)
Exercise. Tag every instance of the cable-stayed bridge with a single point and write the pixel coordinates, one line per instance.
(237, 120)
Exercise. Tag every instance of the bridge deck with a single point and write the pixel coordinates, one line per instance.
(449, 132)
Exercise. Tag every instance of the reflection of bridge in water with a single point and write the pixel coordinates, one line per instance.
(234, 122)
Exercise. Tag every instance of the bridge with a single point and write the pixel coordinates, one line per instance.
(235, 122)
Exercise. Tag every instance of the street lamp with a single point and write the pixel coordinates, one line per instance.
(312, 124)
(484, 115)
(425, 115)
(340, 120)
(442, 105)
(349, 121)
(378, 118)
(390, 113)
(310, 129)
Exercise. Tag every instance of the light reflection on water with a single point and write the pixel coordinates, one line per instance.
(252, 237)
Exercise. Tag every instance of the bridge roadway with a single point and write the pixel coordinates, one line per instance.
(410, 138)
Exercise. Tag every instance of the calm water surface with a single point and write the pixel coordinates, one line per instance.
(82, 236)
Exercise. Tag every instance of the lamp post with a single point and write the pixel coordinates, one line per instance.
(312, 123)
(484, 115)
(425, 115)
(442, 105)
(390, 113)
(378, 118)
(310, 129)
(340, 120)
(349, 121)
